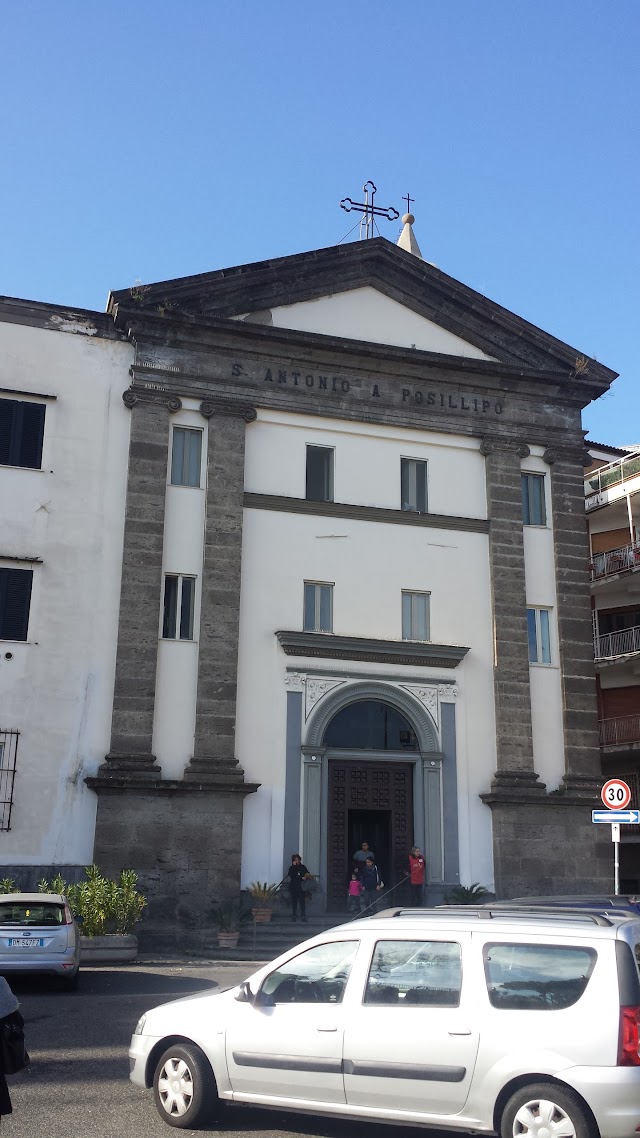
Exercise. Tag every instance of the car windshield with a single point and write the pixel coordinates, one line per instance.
(26, 913)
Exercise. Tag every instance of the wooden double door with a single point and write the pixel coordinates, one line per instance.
(372, 802)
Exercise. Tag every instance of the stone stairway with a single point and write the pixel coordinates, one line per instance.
(257, 942)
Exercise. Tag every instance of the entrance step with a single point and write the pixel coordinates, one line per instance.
(257, 941)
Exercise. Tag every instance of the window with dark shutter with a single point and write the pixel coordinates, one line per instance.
(21, 433)
(15, 599)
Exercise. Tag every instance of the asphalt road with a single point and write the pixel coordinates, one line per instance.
(78, 1086)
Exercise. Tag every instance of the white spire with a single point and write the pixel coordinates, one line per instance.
(407, 239)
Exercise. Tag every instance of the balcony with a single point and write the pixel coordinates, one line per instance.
(613, 481)
(614, 645)
(623, 731)
(622, 560)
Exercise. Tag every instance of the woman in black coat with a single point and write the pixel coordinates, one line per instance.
(295, 873)
(8, 1011)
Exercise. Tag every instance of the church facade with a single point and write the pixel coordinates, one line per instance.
(354, 597)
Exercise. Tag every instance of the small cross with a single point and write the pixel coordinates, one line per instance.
(408, 200)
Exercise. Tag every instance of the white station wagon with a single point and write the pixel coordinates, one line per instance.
(524, 1023)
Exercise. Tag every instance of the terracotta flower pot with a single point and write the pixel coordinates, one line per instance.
(228, 939)
(261, 916)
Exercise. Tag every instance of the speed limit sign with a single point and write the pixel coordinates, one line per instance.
(616, 794)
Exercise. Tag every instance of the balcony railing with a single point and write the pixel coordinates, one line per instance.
(616, 732)
(613, 473)
(617, 643)
(615, 561)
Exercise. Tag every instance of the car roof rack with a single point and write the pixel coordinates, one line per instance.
(486, 913)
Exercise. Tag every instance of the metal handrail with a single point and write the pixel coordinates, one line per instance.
(614, 644)
(620, 729)
(619, 560)
(613, 473)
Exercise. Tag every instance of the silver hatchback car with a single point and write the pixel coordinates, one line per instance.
(38, 933)
(524, 1023)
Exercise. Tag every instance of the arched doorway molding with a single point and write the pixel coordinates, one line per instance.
(328, 707)
(426, 762)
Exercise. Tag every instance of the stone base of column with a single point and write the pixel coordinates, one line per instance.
(581, 786)
(136, 766)
(184, 840)
(210, 768)
(547, 844)
(525, 783)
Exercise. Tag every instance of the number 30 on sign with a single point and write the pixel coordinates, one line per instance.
(616, 794)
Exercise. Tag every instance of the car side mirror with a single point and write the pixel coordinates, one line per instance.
(245, 995)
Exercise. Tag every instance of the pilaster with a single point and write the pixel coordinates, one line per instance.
(214, 746)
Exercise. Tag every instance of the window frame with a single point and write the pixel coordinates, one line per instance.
(330, 493)
(5, 579)
(16, 433)
(184, 429)
(317, 586)
(177, 615)
(418, 941)
(590, 950)
(538, 662)
(528, 501)
(268, 998)
(406, 463)
(416, 593)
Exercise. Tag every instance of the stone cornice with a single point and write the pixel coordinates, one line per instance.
(117, 784)
(333, 647)
(58, 318)
(281, 504)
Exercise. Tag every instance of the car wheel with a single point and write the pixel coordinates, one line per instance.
(545, 1110)
(184, 1088)
(70, 983)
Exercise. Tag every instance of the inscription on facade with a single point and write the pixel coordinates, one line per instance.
(417, 395)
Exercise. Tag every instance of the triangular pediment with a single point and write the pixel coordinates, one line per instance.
(367, 314)
(366, 291)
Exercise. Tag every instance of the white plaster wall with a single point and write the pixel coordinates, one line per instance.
(177, 674)
(369, 563)
(58, 688)
(545, 679)
(367, 314)
(366, 462)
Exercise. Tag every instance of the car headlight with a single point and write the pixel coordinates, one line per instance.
(140, 1025)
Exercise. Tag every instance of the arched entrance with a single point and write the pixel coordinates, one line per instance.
(372, 773)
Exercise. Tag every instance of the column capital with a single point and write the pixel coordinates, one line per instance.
(134, 395)
(210, 407)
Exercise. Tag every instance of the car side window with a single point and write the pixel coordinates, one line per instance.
(537, 977)
(410, 972)
(317, 976)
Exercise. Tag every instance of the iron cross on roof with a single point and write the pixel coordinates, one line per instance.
(369, 210)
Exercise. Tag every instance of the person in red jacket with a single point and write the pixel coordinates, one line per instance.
(417, 870)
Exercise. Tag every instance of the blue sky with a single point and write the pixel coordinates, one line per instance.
(149, 140)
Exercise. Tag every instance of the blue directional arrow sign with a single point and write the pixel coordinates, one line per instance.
(628, 817)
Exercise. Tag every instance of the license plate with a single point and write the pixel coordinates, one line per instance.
(26, 942)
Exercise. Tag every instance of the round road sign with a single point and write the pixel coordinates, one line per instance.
(616, 794)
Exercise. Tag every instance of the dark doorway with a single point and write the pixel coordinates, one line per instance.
(374, 827)
(368, 801)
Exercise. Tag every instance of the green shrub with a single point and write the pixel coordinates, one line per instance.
(229, 916)
(105, 906)
(467, 894)
(7, 885)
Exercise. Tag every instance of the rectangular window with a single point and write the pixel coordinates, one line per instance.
(185, 457)
(539, 633)
(537, 977)
(413, 485)
(319, 485)
(15, 601)
(415, 616)
(410, 972)
(8, 756)
(318, 607)
(534, 509)
(179, 600)
(21, 433)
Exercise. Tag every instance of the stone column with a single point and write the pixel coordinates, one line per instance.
(575, 630)
(214, 747)
(514, 745)
(141, 590)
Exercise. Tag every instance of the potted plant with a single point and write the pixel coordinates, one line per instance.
(467, 894)
(107, 911)
(229, 916)
(264, 895)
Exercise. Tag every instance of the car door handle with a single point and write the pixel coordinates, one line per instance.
(326, 1029)
(460, 1031)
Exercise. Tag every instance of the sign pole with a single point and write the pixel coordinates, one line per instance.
(615, 838)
